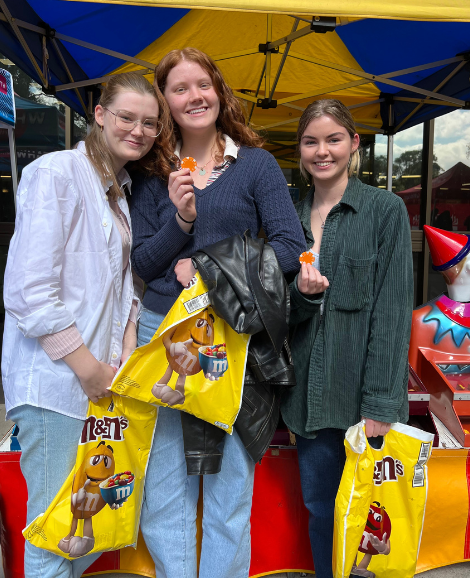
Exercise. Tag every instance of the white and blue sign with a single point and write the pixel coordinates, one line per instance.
(7, 99)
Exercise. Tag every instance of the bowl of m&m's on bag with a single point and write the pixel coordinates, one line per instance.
(116, 489)
(213, 360)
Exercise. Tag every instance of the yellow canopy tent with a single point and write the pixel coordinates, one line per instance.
(436, 10)
(394, 65)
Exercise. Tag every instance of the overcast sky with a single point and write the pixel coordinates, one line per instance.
(451, 136)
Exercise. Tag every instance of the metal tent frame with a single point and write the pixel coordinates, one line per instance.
(282, 46)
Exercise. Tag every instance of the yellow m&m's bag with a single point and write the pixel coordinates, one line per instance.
(195, 362)
(98, 507)
(380, 505)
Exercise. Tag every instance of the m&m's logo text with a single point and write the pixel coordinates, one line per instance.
(106, 428)
(387, 470)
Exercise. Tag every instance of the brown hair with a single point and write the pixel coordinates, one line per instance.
(231, 119)
(342, 116)
(156, 160)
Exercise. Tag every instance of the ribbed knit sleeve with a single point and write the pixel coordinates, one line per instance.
(155, 245)
(58, 345)
(278, 216)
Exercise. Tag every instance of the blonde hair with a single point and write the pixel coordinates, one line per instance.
(342, 116)
(231, 119)
(155, 161)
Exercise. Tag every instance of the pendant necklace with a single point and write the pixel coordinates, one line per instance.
(319, 214)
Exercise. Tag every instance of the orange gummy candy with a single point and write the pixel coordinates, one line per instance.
(189, 163)
(307, 258)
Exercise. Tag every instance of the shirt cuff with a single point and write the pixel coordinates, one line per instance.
(58, 345)
(380, 408)
(310, 303)
(133, 312)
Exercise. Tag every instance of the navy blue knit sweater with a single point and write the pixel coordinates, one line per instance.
(251, 193)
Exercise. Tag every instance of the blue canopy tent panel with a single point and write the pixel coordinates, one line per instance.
(47, 24)
(127, 29)
(58, 60)
(430, 42)
(380, 47)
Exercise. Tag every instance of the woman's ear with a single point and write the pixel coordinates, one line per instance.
(99, 114)
(355, 143)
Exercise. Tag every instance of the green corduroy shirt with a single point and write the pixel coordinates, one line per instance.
(352, 361)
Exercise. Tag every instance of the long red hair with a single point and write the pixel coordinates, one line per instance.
(231, 120)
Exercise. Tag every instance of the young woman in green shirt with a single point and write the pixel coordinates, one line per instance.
(350, 310)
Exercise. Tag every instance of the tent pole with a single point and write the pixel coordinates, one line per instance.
(327, 90)
(389, 185)
(391, 121)
(283, 60)
(92, 81)
(438, 87)
(13, 163)
(267, 76)
(425, 210)
(69, 74)
(68, 127)
(384, 78)
(257, 92)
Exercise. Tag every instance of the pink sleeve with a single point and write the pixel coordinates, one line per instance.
(60, 344)
(133, 312)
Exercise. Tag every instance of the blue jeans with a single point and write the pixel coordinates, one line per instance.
(321, 463)
(49, 442)
(168, 519)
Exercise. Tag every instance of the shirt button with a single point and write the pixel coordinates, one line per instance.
(105, 223)
(114, 355)
(106, 197)
(119, 324)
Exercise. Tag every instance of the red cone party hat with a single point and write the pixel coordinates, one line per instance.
(447, 248)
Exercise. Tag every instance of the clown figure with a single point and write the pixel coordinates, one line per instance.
(443, 324)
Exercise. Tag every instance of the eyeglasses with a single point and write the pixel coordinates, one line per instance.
(126, 121)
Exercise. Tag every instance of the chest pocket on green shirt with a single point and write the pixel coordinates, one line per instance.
(351, 289)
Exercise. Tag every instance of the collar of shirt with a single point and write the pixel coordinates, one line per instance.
(122, 176)
(230, 151)
(351, 197)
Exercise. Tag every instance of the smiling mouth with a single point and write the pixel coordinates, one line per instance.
(197, 110)
(95, 479)
(324, 164)
(370, 526)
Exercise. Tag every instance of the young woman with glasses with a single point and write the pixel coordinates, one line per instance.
(69, 295)
(234, 186)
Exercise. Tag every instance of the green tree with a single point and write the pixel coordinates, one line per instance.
(380, 170)
(410, 163)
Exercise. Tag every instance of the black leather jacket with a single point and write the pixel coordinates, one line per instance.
(248, 290)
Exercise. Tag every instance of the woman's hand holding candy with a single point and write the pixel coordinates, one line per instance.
(310, 281)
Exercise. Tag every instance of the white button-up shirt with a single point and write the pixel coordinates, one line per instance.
(64, 266)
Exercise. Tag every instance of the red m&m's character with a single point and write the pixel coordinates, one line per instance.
(375, 539)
